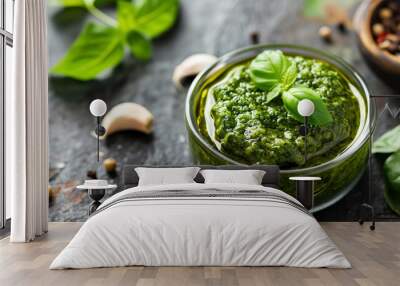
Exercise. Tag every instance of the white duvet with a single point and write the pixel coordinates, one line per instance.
(200, 231)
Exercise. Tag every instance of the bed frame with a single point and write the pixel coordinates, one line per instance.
(271, 178)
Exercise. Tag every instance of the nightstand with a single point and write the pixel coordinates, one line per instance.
(96, 193)
(305, 190)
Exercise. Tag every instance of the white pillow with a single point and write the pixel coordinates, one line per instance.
(164, 176)
(248, 177)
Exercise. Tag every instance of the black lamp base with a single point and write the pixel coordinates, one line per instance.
(99, 131)
(305, 193)
(96, 196)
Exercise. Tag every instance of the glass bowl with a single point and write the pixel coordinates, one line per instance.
(339, 175)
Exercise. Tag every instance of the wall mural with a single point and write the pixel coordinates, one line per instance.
(242, 111)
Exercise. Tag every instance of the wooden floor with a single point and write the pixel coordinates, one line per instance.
(375, 257)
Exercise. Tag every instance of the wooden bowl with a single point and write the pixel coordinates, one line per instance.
(384, 61)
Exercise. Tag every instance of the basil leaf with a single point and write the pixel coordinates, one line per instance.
(153, 17)
(319, 8)
(89, 2)
(67, 3)
(271, 68)
(289, 76)
(293, 96)
(391, 169)
(96, 49)
(125, 15)
(388, 142)
(79, 3)
(274, 93)
(139, 45)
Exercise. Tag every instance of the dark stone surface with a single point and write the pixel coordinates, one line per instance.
(207, 26)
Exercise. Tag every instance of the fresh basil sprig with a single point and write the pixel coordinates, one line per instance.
(391, 169)
(389, 142)
(102, 46)
(273, 72)
(293, 96)
(86, 59)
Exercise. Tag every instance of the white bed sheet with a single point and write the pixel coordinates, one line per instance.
(200, 232)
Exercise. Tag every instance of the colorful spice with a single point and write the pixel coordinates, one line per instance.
(385, 27)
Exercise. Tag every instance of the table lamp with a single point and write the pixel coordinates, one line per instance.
(98, 108)
(305, 108)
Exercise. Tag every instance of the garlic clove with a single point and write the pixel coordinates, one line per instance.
(191, 66)
(127, 116)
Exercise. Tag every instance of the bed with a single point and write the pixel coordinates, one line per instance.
(201, 224)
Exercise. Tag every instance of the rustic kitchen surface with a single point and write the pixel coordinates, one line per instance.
(206, 26)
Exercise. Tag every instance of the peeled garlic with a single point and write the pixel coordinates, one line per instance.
(127, 116)
(191, 66)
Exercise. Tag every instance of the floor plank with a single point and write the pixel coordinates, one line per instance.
(375, 257)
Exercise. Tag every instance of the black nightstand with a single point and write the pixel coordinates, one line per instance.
(305, 190)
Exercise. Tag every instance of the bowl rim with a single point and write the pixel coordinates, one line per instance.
(338, 62)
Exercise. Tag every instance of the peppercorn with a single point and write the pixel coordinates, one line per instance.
(325, 33)
(110, 165)
(342, 27)
(377, 29)
(91, 174)
(386, 13)
(254, 37)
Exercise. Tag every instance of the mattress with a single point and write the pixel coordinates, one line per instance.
(201, 225)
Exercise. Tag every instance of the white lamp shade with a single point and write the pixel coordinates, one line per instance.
(98, 107)
(306, 107)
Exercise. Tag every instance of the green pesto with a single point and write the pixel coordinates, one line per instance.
(249, 130)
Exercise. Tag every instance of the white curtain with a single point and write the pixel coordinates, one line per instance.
(27, 123)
